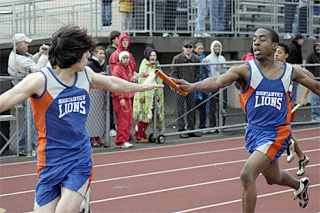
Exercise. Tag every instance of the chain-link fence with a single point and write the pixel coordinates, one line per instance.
(216, 111)
(41, 18)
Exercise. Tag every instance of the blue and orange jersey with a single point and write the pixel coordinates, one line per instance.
(266, 102)
(60, 113)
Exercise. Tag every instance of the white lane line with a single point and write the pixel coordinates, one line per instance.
(239, 200)
(162, 172)
(151, 159)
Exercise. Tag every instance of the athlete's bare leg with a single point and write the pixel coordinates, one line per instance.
(49, 207)
(275, 175)
(70, 201)
(259, 163)
(297, 148)
(256, 163)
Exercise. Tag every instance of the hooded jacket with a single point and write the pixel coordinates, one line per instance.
(314, 58)
(295, 55)
(216, 69)
(114, 58)
(96, 65)
(123, 72)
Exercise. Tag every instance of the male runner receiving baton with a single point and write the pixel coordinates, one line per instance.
(264, 97)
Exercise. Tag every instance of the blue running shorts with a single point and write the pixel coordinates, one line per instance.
(270, 141)
(75, 175)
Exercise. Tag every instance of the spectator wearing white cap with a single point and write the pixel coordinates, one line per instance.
(21, 63)
(122, 102)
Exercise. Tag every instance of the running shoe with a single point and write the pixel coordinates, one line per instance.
(302, 165)
(290, 151)
(302, 193)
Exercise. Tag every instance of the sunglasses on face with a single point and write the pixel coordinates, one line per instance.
(188, 46)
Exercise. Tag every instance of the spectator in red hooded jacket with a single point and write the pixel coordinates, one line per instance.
(123, 44)
(122, 102)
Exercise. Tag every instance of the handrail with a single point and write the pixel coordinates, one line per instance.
(238, 18)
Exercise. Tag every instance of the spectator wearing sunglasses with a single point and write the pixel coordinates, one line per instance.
(185, 105)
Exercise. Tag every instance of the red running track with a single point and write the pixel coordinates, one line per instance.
(194, 177)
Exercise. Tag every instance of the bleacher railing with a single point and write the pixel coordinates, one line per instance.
(41, 18)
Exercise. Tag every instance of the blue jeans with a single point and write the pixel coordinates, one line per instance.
(315, 102)
(106, 13)
(202, 13)
(23, 139)
(289, 11)
(217, 10)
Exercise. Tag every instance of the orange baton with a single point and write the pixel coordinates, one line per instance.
(169, 81)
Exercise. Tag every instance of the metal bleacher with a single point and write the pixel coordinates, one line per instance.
(40, 18)
(251, 14)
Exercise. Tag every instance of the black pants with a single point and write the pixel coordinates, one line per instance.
(187, 102)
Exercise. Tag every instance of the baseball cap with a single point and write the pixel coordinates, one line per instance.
(298, 35)
(20, 37)
(187, 42)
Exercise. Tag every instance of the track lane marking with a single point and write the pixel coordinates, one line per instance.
(163, 172)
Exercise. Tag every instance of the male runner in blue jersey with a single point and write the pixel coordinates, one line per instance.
(60, 100)
(264, 97)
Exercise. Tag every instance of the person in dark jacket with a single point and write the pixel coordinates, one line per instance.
(191, 74)
(295, 57)
(97, 63)
(314, 58)
(113, 46)
(97, 60)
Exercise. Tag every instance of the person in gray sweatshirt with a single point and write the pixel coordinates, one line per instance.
(216, 69)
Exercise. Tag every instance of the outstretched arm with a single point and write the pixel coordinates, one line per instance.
(303, 78)
(212, 83)
(114, 84)
(30, 85)
(303, 99)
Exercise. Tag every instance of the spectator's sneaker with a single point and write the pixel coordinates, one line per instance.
(125, 145)
(302, 165)
(206, 35)
(302, 193)
(165, 35)
(22, 152)
(142, 140)
(175, 35)
(290, 151)
(113, 133)
(287, 36)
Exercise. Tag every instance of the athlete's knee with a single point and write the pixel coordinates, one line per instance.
(246, 178)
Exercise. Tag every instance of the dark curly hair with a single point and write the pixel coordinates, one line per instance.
(68, 45)
(285, 47)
